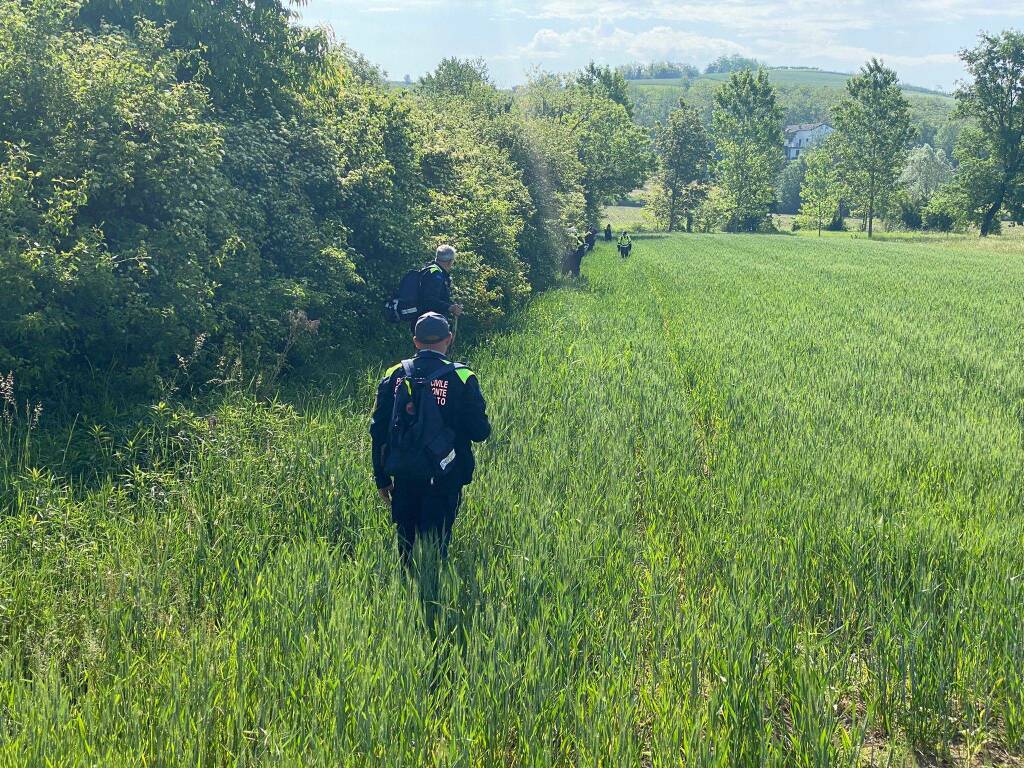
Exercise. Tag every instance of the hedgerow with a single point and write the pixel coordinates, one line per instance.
(164, 201)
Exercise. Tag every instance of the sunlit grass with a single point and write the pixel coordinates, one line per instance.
(749, 501)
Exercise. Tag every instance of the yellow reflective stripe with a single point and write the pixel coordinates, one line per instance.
(464, 374)
(391, 370)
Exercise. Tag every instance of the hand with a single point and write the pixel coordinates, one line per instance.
(385, 493)
(455, 310)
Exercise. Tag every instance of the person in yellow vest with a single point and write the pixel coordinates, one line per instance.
(428, 412)
(625, 245)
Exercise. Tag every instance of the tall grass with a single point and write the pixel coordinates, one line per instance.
(749, 501)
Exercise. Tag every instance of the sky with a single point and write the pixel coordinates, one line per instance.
(917, 38)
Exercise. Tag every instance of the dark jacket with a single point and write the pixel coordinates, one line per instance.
(462, 408)
(435, 291)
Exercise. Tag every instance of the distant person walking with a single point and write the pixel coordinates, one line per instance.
(435, 290)
(608, 233)
(578, 254)
(625, 245)
(428, 412)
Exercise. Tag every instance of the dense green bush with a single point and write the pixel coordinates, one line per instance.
(189, 185)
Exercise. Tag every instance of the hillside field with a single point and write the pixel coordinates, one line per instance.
(790, 76)
(749, 501)
(805, 95)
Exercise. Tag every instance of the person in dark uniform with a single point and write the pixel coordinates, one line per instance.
(590, 239)
(578, 254)
(608, 233)
(435, 294)
(429, 508)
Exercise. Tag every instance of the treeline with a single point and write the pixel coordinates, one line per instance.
(671, 70)
(732, 176)
(658, 70)
(192, 190)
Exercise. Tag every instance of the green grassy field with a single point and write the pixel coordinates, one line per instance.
(788, 76)
(749, 501)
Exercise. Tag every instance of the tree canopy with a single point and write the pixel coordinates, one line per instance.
(747, 130)
(993, 100)
(873, 129)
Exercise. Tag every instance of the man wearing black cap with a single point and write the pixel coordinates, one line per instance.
(421, 507)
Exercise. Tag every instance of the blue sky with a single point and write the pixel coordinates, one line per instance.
(918, 38)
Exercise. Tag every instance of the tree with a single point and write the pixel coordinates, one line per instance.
(873, 125)
(733, 63)
(747, 129)
(613, 151)
(925, 171)
(247, 53)
(684, 149)
(607, 82)
(819, 194)
(457, 77)
(994, 101)
(789, 183)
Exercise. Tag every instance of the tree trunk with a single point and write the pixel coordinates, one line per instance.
(990, 214)
(689, 222)
(871, 214)
(672, 210)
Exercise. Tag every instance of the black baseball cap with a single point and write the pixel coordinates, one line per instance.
(432, 328)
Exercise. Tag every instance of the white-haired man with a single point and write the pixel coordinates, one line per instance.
(435, 294)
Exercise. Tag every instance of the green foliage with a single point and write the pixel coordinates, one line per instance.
(731, 63)
(787, 187)
(925, 171)
(606, 82)
(248, 54)
(180, 180)
(994, 100)
(873, 132)
(820, 191)
(658, 70)
(969, 197)
(113, 175)
(613, 155)
(685, 153)
(747, 130)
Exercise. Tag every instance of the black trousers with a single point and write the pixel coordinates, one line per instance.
(418, 509)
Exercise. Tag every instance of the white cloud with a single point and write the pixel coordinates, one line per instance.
(660, 42)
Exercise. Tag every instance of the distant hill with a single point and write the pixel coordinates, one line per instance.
(791, 76)
(806, 95)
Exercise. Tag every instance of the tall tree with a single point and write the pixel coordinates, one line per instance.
(873, 126)
(614, 152)
(747, 129)
(819, 195)
(607, 82)
(248, 53)
(995, 102)
(684, 149)
(926, 170)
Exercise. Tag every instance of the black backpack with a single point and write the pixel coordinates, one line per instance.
(403, 307)
(420, 446)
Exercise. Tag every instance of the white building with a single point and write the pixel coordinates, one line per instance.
(800, 138)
